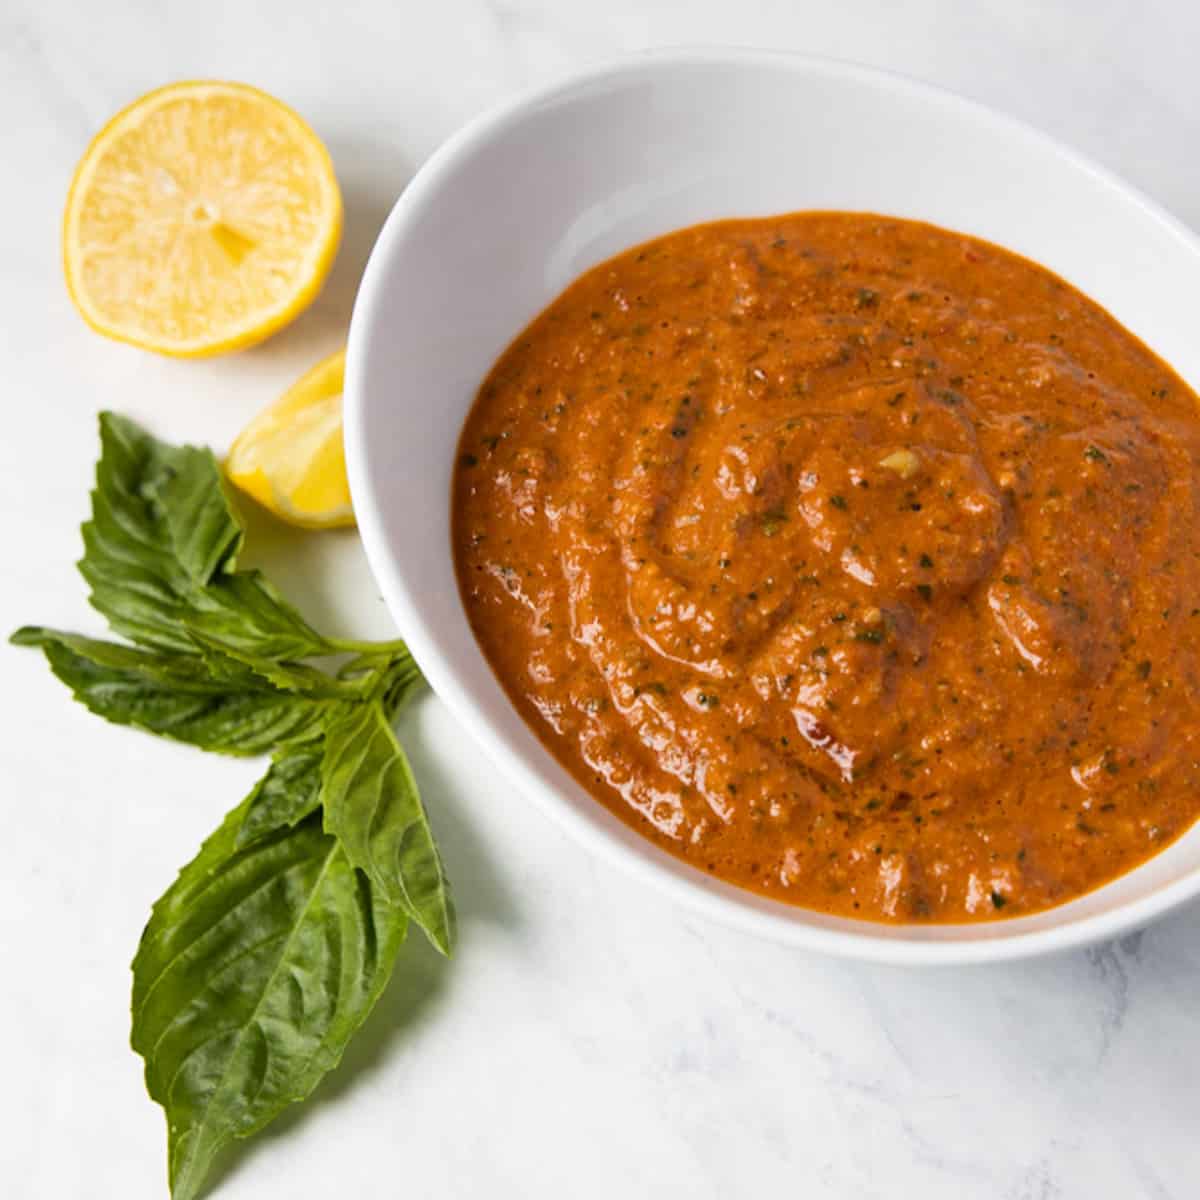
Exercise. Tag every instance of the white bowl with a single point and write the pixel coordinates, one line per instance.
(516, 205)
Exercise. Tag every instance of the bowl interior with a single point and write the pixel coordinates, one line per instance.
(512, 209)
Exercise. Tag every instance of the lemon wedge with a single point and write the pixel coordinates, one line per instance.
(201, 219)
(290, 459)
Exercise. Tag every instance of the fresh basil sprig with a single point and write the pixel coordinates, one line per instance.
(271, 947)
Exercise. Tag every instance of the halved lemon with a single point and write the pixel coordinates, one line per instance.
(290, 459)
(202, 218)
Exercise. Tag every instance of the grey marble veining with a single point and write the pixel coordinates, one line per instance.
(588, 1040)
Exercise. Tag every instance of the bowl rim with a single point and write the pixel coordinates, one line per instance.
(870, 941)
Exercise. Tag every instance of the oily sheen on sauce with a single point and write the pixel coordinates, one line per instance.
(852, 560)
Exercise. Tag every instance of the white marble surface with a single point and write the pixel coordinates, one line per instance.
(588, 1040)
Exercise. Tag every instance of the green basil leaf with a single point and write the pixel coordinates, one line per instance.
(285, 795)
(244, 612)
(130, 531)
(137, 604)
(202, 528)
(256, 968)
(240, 665)
(372, 805)
(161, 548)
(177, 696)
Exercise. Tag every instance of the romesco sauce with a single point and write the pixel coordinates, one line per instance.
(849, 559)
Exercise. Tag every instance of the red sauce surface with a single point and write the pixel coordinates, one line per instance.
(849, 559)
